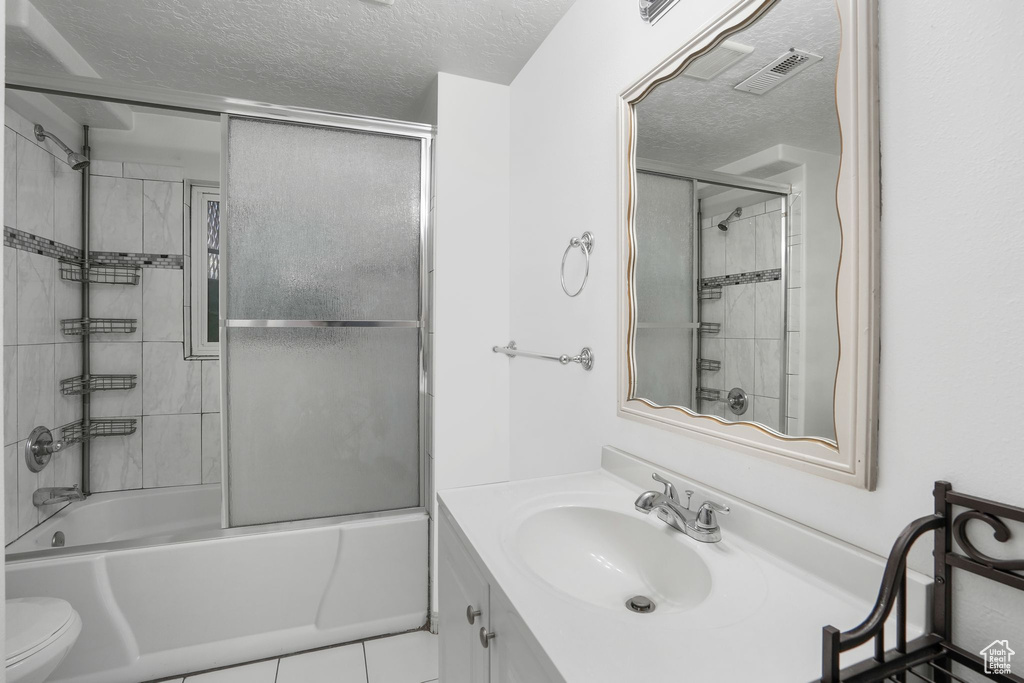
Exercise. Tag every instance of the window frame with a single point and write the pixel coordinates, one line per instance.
(200, 192)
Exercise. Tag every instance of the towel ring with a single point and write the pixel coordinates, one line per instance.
(586, 243)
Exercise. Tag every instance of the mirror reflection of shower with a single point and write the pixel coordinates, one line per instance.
(75, 160)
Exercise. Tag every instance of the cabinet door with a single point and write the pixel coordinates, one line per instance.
(462, 658)
(516, 656)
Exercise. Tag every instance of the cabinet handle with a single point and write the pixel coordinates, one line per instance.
(486, 636)
(471, 614)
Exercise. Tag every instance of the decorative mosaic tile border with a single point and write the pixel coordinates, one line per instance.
(26, 241)
(769, 275)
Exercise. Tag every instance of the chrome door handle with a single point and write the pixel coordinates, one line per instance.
(471, 614)
(486, 636)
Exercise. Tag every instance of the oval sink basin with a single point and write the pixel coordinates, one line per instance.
(605, 558)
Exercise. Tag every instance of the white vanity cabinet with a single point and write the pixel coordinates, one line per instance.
(511, 654)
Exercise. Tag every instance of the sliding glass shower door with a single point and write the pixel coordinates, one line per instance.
(322, 314)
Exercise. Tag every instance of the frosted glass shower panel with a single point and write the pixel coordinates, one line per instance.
(323, 224)
(664, 250)
(321, 422)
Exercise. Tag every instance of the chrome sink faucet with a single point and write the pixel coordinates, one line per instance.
(51, 495)
(702, 526)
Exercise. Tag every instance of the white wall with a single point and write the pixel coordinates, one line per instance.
(952, 313)
(3, 588)
(191, 142)
(471, 281)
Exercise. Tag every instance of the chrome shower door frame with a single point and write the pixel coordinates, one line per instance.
(425, 134)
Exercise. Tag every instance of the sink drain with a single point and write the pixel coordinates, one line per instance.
(640, 604)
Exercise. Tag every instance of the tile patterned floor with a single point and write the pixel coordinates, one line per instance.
(407, 658)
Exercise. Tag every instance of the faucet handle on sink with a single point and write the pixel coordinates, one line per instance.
(706, 515)
(670, 489)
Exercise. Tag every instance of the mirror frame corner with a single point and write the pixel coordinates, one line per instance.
(852, 458)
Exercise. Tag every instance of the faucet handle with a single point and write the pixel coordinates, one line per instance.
(706, 515)
(670, 488)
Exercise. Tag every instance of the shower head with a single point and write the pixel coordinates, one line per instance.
(75, 160)
(724, 225)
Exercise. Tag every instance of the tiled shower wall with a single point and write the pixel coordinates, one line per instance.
(138, 212)
(745, 262)
(42, 209)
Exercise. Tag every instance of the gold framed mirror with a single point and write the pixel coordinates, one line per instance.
(749, 210)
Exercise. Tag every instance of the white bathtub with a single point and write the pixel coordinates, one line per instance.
(163, 590)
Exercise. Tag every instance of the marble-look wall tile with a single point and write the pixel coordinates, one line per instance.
(794, 426)
(67, 363)
(794, 395)
(768, 310)
(738, 365)
(46, 478)
(35, 387)
(793, 349)
(794, 312)
(152, 172)
(34, 189)
(170, 384)
(211, 448)
(67, 467)
(765, 412)
(118, 301)
(28, 482)
(161, 304)
(773, 204)
(113, 169)
(767, 376)
(171, 450)
(712, 349)
(211, 386)
(117, 359)
(712, 246)
(67, 206)
(35, 298)
(116, 214)
(795, 265)
(116, 461)
(10, 395)
(768, 241)
(162, 217)
(10, 493)
(10, 296)
(739, 311)
(739, 247)
(10, 178)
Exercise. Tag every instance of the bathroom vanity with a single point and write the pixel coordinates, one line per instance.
(535, 577)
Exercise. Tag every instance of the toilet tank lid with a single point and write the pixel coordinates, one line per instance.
(33, 621)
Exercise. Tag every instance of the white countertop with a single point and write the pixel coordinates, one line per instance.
(774, 636)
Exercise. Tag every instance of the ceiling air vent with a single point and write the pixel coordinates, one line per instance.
(709, 65)
(778, 71)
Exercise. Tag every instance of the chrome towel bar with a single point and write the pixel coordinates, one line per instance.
(584, 357)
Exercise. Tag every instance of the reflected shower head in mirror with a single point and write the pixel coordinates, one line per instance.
(75, 160)
(723, 226)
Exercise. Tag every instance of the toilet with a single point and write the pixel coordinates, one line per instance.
(40, 632)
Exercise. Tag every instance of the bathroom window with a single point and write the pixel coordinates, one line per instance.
(205, 252)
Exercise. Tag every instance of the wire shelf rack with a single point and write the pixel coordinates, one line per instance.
(710, 328)
(76, 432)
(76, 386)
(708, 365)
(99, 273)
(706, 394)
(710, 293)
(76, 327)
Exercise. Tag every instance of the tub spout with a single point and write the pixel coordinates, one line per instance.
(56, 494)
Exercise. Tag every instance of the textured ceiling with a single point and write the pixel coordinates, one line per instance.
(354, 56)
(708, 124)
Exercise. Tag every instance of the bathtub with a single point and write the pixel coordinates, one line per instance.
(163, 590)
